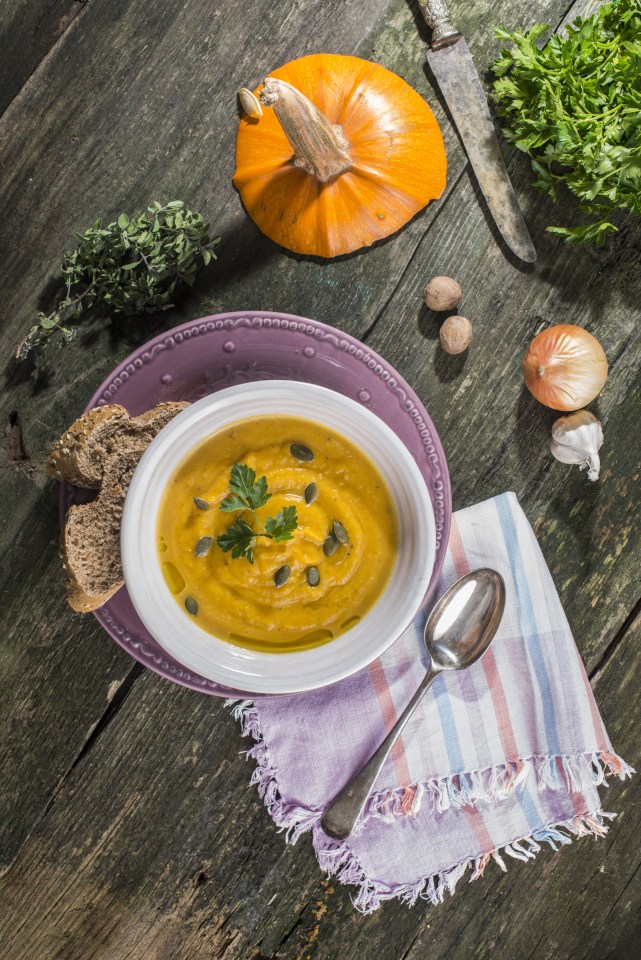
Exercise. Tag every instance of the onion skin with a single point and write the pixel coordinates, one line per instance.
(565, 367)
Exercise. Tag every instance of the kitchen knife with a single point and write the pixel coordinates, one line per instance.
(452, 65)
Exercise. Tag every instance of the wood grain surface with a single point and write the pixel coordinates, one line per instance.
(127, 827)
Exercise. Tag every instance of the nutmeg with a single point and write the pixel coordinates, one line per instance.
(442, 293)
(456, 334)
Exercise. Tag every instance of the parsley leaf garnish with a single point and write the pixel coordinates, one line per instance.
(573, 107)
(247, 493)
(240, 539)
(282, 525)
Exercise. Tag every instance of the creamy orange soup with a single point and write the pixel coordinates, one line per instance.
(329, 584)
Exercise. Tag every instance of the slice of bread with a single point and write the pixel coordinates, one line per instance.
(80, 456)
(101, 449)
(91, 539)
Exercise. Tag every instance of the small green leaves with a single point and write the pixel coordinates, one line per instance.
(282, 526)
(191, 605)
(311, 493)
(573, 106)
(313, 576)
(240, 539)
(247, 493)
(282, 575)
(201, 504)
(203, 546)
(301, 452)
(133, 266)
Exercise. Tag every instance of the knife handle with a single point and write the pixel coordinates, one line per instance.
(439, 19)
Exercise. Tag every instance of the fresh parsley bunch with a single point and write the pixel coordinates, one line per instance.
(130, 266)
(575, 108)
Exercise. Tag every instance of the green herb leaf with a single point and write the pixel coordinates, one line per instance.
(247, 493)
(282, 526)
(573, 107)
(246, 490)
(135, 265)
(232, 503)
(240, 539)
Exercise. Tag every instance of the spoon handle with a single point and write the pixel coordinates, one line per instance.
(343, 812)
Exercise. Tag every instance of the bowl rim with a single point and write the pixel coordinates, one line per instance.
(159, 462)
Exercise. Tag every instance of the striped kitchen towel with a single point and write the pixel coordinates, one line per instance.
(496, 760)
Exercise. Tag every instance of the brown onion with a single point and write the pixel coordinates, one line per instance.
(565, 367)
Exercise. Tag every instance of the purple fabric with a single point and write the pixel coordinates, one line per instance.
(496, 760)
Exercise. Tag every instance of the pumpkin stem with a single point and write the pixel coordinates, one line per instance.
(320, 148)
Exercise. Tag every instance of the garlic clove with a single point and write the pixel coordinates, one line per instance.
(577, 439)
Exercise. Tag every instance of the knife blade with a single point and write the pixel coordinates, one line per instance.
(452, 65)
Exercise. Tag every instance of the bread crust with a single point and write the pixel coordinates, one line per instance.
(80, 455)
(90, 543)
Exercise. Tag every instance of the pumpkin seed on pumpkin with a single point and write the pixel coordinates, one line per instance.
(311, 493)
(250, 103)
(301, 452)
(282, 575)
(192, 605)
(313, 576)
(339, 531)
(201, 504)
(203, 546)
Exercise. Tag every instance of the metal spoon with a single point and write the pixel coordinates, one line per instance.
(459, 630)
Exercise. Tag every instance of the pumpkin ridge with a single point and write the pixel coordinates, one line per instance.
(368, 173)
(350, 97)
(396, 153)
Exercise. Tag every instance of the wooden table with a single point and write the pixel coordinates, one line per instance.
(127, 826)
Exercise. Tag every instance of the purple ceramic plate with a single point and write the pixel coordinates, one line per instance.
(202, 356)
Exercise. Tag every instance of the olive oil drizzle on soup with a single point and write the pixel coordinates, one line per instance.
(239, 601)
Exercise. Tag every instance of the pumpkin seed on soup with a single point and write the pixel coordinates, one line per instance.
(201, 504)
(330, 546)
(311, 493)
(301, 452)
(313, 577)
(339, 531)
(192, 605)
(282, 575)
(203, 546)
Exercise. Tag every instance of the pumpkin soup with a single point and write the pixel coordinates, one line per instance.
(276, 534)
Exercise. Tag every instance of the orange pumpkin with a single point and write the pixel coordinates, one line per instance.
(347, 154)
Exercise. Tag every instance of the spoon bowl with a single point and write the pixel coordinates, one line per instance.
(461, 626)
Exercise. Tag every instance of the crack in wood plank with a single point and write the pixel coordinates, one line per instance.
(63, 24)
(116, 702)
(612, 647)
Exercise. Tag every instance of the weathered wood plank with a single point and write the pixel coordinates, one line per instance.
(496, 435)
(156, 846)
(28, 31)
(162, 121)
(175, 136)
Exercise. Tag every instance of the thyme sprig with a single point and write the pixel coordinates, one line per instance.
(131, 266)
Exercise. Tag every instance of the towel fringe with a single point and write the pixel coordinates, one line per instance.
(575, 773)
(292, 820)
(336, 858)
